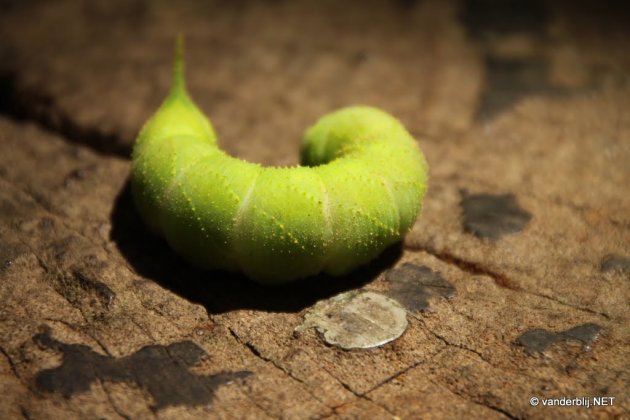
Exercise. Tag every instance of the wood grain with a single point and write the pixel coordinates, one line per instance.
(524, 106)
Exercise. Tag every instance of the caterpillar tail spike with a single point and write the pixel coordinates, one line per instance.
(358, 191)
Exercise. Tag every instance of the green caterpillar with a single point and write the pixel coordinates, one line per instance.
(359, 190)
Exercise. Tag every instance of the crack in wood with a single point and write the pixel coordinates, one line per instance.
(498, 278)
(403, 371)
(146, 332)
(448, 343)
(258, 405)
(116, 409)
(12, 364)
(474, 400)
(567, 304)
(469, 267)
(253, 350)
(81, 330)
(359, 395)
(24, 412)
(50, 270)
(88, 282)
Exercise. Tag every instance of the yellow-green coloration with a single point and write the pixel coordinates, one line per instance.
(359, 190)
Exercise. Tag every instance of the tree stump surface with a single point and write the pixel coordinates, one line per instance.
(515, 279)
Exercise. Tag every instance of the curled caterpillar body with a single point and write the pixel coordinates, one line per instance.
(359, 190)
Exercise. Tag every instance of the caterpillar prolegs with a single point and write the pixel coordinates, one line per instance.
(358, 191)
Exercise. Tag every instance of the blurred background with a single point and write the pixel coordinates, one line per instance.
(264, 70)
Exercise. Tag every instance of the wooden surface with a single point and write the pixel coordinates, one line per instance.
(516, 278)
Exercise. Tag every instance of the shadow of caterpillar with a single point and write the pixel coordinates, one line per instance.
(359, 190)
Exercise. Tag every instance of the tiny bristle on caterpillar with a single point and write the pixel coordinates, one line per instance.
(358, 191)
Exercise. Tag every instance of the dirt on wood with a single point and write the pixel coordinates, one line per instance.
(515, 279)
